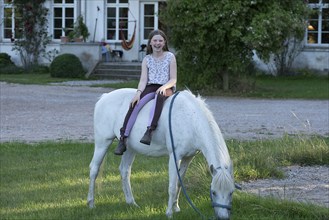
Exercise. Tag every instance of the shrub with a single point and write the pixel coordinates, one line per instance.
(38, 69)
(5, 60)
(7, 66)
(66, 66)
(11, 69)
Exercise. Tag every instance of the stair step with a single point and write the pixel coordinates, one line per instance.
(118, 66)
(116, 76)
(117, 70)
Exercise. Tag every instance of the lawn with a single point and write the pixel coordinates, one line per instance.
(38, 79)
(292, 87)
(49, 180)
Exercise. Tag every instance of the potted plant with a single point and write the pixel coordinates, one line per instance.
(80, 30)
(78, 33)
(68, 35)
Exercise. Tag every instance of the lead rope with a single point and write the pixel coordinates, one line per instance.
(173, 149)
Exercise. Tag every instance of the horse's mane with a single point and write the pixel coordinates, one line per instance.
(200, 102)
(203, 105)
(205, 109)
(224, 180)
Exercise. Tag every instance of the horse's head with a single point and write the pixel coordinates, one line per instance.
(221, 190)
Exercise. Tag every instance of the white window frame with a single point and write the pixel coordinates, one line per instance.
(117, 7)
(63, 5)
(2, 21)
(319, 6)
(143, 38)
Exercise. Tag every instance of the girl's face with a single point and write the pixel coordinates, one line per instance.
(157, 43)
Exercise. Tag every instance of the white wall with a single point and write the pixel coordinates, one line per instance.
(313, 58)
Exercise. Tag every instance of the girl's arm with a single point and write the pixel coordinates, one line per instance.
(172, 80)
(142, 83)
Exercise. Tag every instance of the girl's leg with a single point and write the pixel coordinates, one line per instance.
(156, 111)
(135, 112)
(154, 117)
(131, 116)
(157, 108)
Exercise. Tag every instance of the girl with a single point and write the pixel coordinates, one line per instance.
(158, 80)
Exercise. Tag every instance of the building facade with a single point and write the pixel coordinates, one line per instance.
(111, 21)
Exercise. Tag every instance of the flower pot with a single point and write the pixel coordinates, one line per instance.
(78, 39)
(64, 39)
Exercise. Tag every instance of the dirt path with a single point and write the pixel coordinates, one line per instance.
(34, 113)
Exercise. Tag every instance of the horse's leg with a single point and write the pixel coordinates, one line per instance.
(99, 153)
(182, 171)
(125, 171)
(173, 186)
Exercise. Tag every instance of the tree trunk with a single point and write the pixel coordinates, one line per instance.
(225, 81)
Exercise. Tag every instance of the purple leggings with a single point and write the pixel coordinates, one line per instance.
(147, 95)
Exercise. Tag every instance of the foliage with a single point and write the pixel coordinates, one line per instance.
(7, 66)
(217, 38)
(51, 54)
(5, 59)
(80, 30)
(283, 60)
(66, 65)
(38, 69)
(10, 70)
(50, 181)
(34, 32)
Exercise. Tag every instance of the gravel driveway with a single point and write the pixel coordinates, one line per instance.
(58, 112)
(34, 113)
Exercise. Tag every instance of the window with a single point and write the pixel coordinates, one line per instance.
(318, 23)
(117, 19)
(63, 21)
(150, 18)
(11, 21)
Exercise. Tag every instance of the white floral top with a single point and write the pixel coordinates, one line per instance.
(159, 69)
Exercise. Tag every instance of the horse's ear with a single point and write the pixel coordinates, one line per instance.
(213, 171)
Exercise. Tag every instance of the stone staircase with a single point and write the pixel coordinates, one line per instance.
(117, 70)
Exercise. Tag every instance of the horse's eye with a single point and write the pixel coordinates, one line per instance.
(213, 193)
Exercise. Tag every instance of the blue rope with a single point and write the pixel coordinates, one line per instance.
(173, 149)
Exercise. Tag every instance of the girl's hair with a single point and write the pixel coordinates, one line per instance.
(151, 35)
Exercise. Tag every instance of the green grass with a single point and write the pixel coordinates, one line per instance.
(271, 154)
(291, 87)
(38, 79)
(49, 180)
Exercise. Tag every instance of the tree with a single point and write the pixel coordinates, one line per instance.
(34, 35)
(281, 62)
(215, 39)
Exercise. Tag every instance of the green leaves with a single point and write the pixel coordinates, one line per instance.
(32, 43)
(220, 36)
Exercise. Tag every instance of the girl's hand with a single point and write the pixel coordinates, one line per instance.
(136, 99)
(165, 92)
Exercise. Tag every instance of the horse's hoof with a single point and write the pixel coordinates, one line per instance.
(133, 204)
(91, 204)
(169, 214)
(176, 209)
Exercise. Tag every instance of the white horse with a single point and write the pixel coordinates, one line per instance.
(194, 129)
